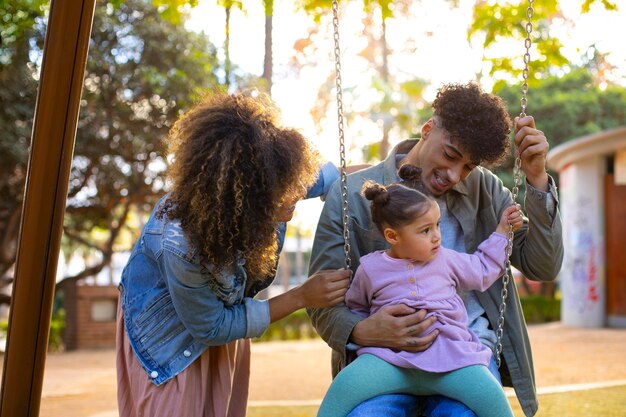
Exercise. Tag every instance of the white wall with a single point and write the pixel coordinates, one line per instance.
(583, 277)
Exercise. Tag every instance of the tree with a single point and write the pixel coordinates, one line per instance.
(497, 22)
(397, 96)
(142, 71)
(394, 107)
(570, 106)
(566, 108)
(265, 81)
(268, 62)
(21, 30)
(228, 6)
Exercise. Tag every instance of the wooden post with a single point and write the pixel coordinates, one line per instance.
(52, 146)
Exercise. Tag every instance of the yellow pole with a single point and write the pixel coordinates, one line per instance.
(52, 145)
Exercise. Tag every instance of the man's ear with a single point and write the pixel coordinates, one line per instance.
(427, 128)
(391, 236)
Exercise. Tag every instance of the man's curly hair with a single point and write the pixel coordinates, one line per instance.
(477, 121)
(233, 166)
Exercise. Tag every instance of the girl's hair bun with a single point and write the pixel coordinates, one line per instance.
(410, 172)
(375, 192)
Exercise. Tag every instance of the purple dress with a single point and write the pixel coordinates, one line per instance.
(382, 280)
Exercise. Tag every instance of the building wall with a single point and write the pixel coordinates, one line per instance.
(90, 316)
(583, 275)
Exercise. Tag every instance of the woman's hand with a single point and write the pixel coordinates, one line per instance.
(324, 289)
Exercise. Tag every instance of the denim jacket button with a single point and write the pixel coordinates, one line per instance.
(154, 374)
(187, 353)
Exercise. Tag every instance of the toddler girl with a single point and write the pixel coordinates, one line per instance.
(417, 271)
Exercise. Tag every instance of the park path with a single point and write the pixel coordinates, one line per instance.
(82, 383)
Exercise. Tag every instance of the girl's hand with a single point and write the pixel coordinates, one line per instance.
(511, 216)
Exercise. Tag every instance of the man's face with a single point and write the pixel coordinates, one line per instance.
(443, 163)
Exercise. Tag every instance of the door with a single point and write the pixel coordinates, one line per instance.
(615, 228)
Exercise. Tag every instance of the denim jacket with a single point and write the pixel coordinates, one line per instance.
(175, 307)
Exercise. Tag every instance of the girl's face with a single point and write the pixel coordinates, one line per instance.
(419, 240)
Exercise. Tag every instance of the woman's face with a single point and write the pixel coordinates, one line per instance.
(287, 206)
(285, 211)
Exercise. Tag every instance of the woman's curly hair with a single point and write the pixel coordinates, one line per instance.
(477, 121)
(233, 167)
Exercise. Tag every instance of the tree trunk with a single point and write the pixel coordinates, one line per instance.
(8, 236)
(268, 62)
(384, 73)
(227, 48)
(384, 142)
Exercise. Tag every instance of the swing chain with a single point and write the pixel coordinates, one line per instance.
(517, 180)
(342, 147)
(527, 43)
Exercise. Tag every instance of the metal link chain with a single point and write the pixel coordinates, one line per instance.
(517, 180)
(342, 147)
(516, 169)
(527, 43)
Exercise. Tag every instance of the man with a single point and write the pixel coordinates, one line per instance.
(468, 128)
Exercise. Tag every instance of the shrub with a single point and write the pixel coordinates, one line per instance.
(57, 324)
(541, 309)
(295, 326)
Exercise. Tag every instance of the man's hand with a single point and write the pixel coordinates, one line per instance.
(397, 327)
(532, 147)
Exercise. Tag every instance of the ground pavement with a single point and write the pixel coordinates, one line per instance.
(82, 383)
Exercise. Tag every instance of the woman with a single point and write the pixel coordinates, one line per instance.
(187, 311)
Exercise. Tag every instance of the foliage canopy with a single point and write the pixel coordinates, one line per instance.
(142, 72)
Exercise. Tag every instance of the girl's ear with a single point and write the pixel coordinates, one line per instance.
(391, 236)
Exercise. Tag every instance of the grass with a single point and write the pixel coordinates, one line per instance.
(600, 402)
